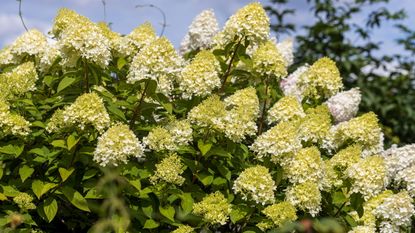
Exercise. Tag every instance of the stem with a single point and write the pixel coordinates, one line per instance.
(261, 120)
(164, 24)
(86, 77)
(228, 70)
(137, 108)
(21, 16)
(341, 207)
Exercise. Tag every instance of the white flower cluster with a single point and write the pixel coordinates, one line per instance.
(394, 212)
(11, 123)
(169, 170)
(287, 108)
(79, 38)
(201, 76)
(289, 84)
(399, 158)
(256, 184)
(157, 61)
(305, 196)
(170, 137)
(344, 105)
(88, 109)
(18, 81)
(116, 145)
(306, 165)
(201, 32)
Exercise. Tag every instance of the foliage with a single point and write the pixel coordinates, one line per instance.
(99, 133)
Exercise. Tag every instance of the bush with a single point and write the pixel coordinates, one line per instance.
(103, 132)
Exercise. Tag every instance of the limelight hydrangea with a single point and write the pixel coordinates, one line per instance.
(18, 81)
(79, 38)
(6, 56)
(363, 130)
(201, 76)
(344, 105)
(347, 157)
(290, 84)
(24, 201)
(306, 165)
(242, 112)
(399, 158)
(315, 126)
(169, 137)
(363, 229)
(331, 176)
(267, 60)
(321, 80)
(157, 61)
(130, 44)
(281, 213)
(210, 113)
(286, 49)
(250, 21)
(214, 208)
(369, 176)
(184, 229)
(11, 123)
(406, 178)
(201, 32)
(305, 196)
(116, 145)
(88, 109)
(169, 171)
(396, 209)
(287, 108)
(256, 184)
(277, 141)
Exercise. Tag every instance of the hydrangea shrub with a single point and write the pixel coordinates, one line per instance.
(103, 132)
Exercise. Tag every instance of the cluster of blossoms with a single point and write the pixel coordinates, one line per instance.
(18, 81)
(287, 108)
(279, 214)
(235, 116)
(255, 183)
(169, 171)
(201, 76)
(88, 109)
(116, 145)
(24, 201)
(170, 137)
(267, 60)
(201, 32)
(132, 43)
(157, 61)
(214, 208)
(184, 229)
(11, 123)
(79, 38)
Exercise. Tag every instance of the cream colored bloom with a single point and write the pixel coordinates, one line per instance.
(214, 208)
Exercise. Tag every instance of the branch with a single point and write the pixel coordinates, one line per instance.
(137, 109)
(21, 16)
(164, 24)
(104, 4)
(228, 70)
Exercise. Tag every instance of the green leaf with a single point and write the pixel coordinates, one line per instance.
(9, 191)
(1, 171)
(75, 198)
(65, 173)
(12, 150)
(71, 141)
(121, 62)
(206, 179)
(167, 212)
(135, 183)
(239, 212)
(39, 187)
(48, 80)
(339, 198)
(204, 148)
(148, 211)
(168, 107)
(151, 224)
(356, 201)
(25, 172)
(93, 194)
(187, 202)
(64, 83)
(113, 109)
(50, 207)
(59, 143)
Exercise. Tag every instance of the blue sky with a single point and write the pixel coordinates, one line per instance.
(124, 16)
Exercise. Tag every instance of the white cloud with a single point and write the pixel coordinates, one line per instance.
(11, 27)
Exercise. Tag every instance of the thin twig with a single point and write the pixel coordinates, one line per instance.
(86, 77)
(261, 120)
(137, 109)
(164, 24)
(21, 16)
(228, 70)
(104, 4)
